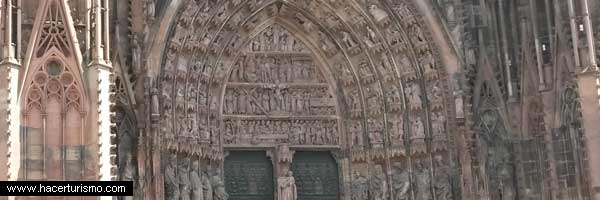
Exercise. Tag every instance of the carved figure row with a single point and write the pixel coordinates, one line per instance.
(278, 99)
(378, 187)
(276, 38)
(302, 132)
(185, 181)
(275, 68)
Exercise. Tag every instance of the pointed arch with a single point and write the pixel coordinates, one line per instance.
(53, 99)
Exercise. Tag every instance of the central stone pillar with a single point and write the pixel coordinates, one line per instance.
(282, 165)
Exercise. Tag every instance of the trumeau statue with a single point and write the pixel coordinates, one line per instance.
(287, 187)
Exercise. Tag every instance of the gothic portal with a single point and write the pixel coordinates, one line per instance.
(304, 99)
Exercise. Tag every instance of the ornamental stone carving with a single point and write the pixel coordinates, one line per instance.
(287, 187)
(290, 81)
(401, 181)
(360, 187)
(379, 185)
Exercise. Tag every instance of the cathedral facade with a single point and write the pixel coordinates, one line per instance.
(304, 99)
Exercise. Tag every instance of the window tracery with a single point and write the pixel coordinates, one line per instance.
(54, 120)
(53, 32)
(567, 143)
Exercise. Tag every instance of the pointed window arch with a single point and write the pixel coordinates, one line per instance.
(54, 117)
(53, 101)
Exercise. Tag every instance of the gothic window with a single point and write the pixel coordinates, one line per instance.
(53, 117)
(567, 145)
(53, 102)
(532, 154)
(496, 149)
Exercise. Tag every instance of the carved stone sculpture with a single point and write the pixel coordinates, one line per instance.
(438, 121)
(171, 180)
(359, 187)
(196, 182)
(218, 185)
(287, 187)
(207, 189)
(417, 128)
(379, 188)
(378, 14)
(128, 168)
(443, 190)
(414, 96)
(184, 181)
(423, 181)
(348, 39)
(401, 182)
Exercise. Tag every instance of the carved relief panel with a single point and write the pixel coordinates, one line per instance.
(276, 93)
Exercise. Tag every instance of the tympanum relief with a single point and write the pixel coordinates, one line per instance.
(277, 94)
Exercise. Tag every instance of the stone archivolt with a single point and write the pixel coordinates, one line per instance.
(351, 76)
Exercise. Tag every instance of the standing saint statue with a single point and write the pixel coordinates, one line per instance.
(287, 187)
(218, 187)
(360, 186)
(196, 182)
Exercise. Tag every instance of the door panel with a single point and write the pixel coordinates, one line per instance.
(316, 176)
(249, 176)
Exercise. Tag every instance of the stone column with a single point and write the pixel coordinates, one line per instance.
(9, 100)
(99, 77)
(282, 163)
(9, 120)
(590, 109)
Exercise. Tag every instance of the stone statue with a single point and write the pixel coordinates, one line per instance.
(379, 188)
(287, 187)
(150, 8)
(415, 96)
(207, 190)
(348, 39)
(438, 123)
(136, 52)
(171, 182)
(155, 105)
(184, 181)
(196, 182)
(418, 129)
(371, 38)
(219, 192)
(400, 182)
(443, 190)
(359, 187)
(423, 181)
(128, 168)
(378, 14)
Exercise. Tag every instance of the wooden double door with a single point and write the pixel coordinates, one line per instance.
(249, 175)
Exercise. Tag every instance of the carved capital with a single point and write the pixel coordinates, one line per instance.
(284, 154)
